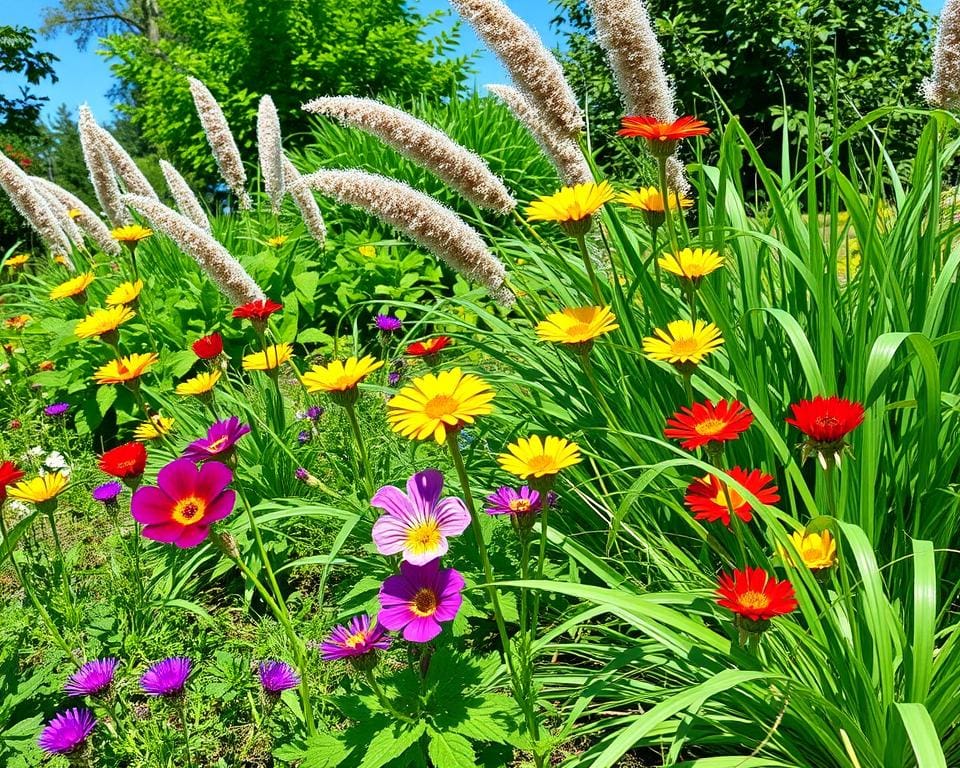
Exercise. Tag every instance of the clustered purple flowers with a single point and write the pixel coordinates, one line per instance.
(56, 410)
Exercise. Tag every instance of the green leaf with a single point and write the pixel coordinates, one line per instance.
(450, 750)
(392, 742)
(9, 543)
(923, 735)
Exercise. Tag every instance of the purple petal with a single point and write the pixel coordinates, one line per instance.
(448, 606)
(213, 478)
(178, 478)
(421, 630)
(389, 534)
(396, 616)
(192, 535)
(424, 489)
(166, 532)
(452, 516)
(396, 590)
(150, 505)
(393, 501)
(221, 507)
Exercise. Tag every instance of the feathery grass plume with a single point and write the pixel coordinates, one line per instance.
(183, 196)
(270, 149)
(221, 140)
(427, 146)
(305, 202)
(69, 227)
(101, 172)
(124, 166)
(228, 274)
(87, 220)
(421, 218)
(535, 71)
(33, 207)
(562, 150)
(943, 88)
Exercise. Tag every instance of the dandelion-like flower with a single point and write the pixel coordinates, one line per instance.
(186, 501)
(826, 422)
(92, 679)
(435, 405)
(340, 378)
(692, 264)
(662, 137)
(418, 523)
(17, 260)
(419, 598)
(705, 424)
(39, 490)
(75, 287)
(818, 551)
(277, 677)
(572, 207)
(220, 442)
(683, 344)
(711, 499)
(125, 293)
(104, 323)
(268, 359)
(276, 242)
(756, 596)
(131, 235)
(126, 370)
(156, 427)
(649, 201)
(17, 322)
(541, 459)
(354, 640)
(166, 678)
(200, 385)
(257, 311)
(221, 140)
(577, 327)
(67, 732)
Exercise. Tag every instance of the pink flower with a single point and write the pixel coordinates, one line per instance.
(357, 638)
(418, 598)
(417, 523)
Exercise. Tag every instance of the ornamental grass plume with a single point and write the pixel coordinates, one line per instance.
(427, 146)
(183, 196)
(33, 207)
(230, 277)
(221, 140)
(534, 70)
(942, 88)
(101, 172)
(559, 148)
(305, 202)
(123, 165)
(59, 212)
(270, 151)
(85, 217)
(421, 218)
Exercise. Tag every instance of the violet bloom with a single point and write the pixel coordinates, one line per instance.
(304, 437)
(56, 410)
(219, 443)
(393, 378)
(301, 474)
(418, 598)
(166, 678)
(509, 501)
(418, 522)
(276, 677)
(357, 638)
(107, 493)
(67, 731)
(388, 323)
(314, 412)
(92, 679)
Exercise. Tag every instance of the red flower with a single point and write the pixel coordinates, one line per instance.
(755, 595)
(706, 423)
(428, 347)
(208, 347)
(826, 419)
(125, 461)
(652, 129)
(707, 497)
(257, 310)
(9, 474)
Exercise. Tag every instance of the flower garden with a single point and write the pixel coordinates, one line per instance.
(661, 477)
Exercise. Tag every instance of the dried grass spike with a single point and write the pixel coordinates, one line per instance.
(183, 196)
(69, 227)
(101, 172)
(270, 148)
(942, 89)
(427, 146)
(305, 202)
(87, 220)
(124, 166)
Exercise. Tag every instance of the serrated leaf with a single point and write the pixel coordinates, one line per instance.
(324, 751)
(450, 750)
(392, 742)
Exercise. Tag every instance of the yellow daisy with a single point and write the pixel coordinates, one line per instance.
(367, 250)
(276, 242)
(125, 293)
(74, 213)
(103, 322)
(75, 286)
(536, 457)
(692, 264)
(39, 489)
(817, 550)
(683, 343)
(572, 207)
(577, 325)
(649, 202)
(156, 427)
(199, 385)
(18, 261)
(340, 377)
(269, 359)
(131, 234)
(438, 404)
(124, 370)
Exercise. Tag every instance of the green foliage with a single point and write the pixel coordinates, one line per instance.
(18, 55)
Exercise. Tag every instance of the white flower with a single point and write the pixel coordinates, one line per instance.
(36, 452)
(55, 460)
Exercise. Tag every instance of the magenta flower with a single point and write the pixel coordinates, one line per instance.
(108, 492)
(166, 678)
(509, 501)
(357, 638)
(418, 522)
(67, 731)
(219, 442)
(388, 323)
(418, 598)
(276, 677)
(56, 410)
(92, 679)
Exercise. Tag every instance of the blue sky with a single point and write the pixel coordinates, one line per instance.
(85, 76)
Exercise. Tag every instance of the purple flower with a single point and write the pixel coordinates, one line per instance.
(393, 378)
(108, 492)
(357, 638)
(301, 474)
(276, 676)
(56, 410)
(304, 437)
(388, 323)
(418, 598)
(219, 442)
(67, 731)
(418, 522)
(509, 501)
(314, 412)
(166, 678)
(552, 499)
(92, 679)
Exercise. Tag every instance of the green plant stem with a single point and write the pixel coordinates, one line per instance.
(828, 482)
(584, 355)
(361, 447)
(186, 729)
(61, 562)
(264, 557)
(691, 300)
(688, 386)
(588, 265)
(382, 698)
(665, 195)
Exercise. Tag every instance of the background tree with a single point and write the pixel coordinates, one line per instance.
(757, 55)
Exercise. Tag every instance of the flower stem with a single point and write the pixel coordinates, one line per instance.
(186, 729)
(588, 264)
(361, 448)
(382, 698)
(665, 195)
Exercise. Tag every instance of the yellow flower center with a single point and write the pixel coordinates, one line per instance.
(685, 346)
(424, 537)
(189, 510)
(520, 505)
(579, 329)
(440, 406)
(813, 554)
(736, 500)
(424, 602)
(217, 444)
(541, 463)
(345, 382)
(756, 601)
(357, 638)
(710, 427)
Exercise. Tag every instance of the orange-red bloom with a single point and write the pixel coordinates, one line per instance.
(428, 347)
(708, 497)
(706, 423)
(257, 310)
(755, 595)
(125, 461)
(208, 347)
(826, 422)
(9, 474)
(635, 126)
